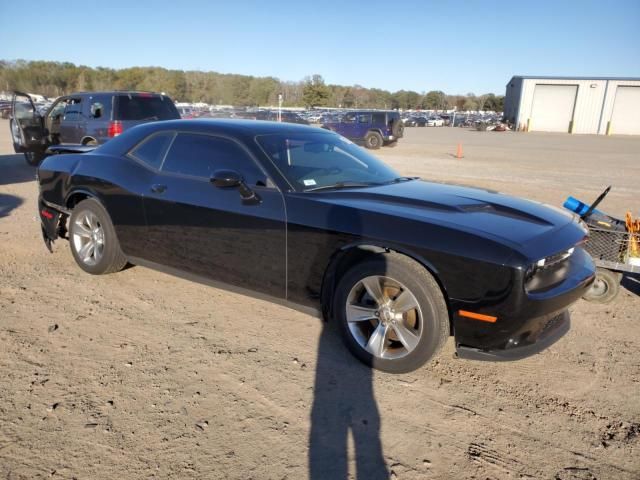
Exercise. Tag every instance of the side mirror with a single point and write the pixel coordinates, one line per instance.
(232, 179)
(226, 179)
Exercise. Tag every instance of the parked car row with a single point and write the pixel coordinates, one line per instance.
(94, 117)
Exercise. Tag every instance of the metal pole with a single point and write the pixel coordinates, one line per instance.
(280, 107)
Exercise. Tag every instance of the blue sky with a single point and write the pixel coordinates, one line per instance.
(455, 46)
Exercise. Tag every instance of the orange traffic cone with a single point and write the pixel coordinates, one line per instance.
(459, 151)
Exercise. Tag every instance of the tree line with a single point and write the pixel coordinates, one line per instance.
(53, 79)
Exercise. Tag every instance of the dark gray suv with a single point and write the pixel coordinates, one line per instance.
(87, 118)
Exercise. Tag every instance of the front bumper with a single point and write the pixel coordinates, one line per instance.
(542, 333)
(525, 322)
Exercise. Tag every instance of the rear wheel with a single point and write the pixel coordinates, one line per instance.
(93, 240)
(605, 287)
(391, 313)
(373, 140)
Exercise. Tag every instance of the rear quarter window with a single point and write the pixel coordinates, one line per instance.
(378, 118)
(99, 102)
(145, 108)
(152, 150)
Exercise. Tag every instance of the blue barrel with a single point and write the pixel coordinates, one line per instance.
(577, 206)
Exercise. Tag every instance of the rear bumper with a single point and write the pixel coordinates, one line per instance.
(50, 220)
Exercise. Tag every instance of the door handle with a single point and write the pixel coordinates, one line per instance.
(158, 188)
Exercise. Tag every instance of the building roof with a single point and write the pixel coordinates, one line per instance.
(547, 77)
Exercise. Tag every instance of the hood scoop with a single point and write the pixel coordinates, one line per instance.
(503, 211)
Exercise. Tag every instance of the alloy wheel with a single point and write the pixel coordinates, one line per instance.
(88, 238)
(384, 317)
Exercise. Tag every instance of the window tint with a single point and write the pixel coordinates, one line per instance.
(57, 110)
(364, 118)
(378, 118)
(349, 118)
(202, 155)
(151, 151)
(100, 103)
(145, 107)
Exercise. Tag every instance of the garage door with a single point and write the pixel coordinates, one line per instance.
(552, 109)
(626, 111)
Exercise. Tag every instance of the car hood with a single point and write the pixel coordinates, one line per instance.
(521, 224)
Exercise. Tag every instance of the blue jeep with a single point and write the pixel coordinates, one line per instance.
(371, 128)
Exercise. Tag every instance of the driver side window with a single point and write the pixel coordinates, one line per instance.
(200, 156)
(349, 118)
(57, 110)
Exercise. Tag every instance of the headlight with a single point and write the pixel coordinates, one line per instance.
(547, 272)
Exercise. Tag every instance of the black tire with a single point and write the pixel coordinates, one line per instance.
(605, 287)
(34, 159)
(433, 313)
(111, 259)
(373, 140)
(397, 128)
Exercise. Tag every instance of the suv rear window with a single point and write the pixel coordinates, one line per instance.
(145, 107)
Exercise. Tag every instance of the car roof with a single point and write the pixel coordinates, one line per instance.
(116, 92)
(230, 126)
(222, 126)
(234, 125)
(371, 111)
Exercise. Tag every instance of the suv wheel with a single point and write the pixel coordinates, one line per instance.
(397, 128)
(373, 140)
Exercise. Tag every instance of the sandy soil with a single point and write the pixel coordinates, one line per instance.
(142, 375)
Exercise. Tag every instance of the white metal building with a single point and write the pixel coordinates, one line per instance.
(574, 105)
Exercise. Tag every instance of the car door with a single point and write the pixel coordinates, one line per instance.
(348, 125)
(72, 121)
(210, 231)
(27, 127)
(363, 124)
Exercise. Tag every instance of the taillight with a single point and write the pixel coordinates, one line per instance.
(115, 129)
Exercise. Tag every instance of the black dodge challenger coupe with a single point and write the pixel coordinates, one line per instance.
(303, 216)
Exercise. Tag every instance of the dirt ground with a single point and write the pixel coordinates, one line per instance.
(142, 375)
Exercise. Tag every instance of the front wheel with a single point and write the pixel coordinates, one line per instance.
(605, 287)
(93, 240)
(391, 312)
(373, 140)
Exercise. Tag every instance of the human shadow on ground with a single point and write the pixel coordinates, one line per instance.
(14, 169)
(344, 404)
(8, 203)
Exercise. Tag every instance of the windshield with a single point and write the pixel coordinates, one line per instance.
(311, 161)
